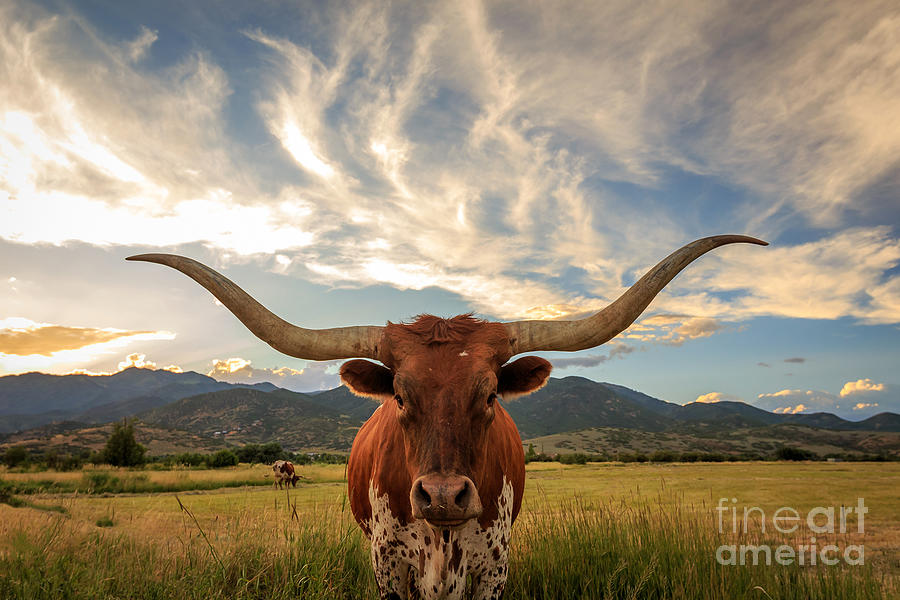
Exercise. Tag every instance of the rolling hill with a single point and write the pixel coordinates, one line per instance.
(567, 414)
(241, 416)
(34, 399)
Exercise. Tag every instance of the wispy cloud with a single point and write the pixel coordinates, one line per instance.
(442, 147)
(592, 360)
(846, 273)
(138, 48)
(119, 155)
(673, 330)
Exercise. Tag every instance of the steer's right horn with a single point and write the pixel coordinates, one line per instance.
(310, 344)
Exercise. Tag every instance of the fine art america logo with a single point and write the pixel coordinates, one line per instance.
(821, 520)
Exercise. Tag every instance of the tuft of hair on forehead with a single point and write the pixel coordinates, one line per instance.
(436, 330)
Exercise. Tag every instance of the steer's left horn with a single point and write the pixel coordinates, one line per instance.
(311, 344)
(531, 336)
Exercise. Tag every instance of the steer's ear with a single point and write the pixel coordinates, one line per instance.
(523, 376)
(365, 378)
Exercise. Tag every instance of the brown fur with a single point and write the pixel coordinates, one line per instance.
(447, 421)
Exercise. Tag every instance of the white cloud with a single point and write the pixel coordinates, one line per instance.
(795, 401)
(299, 147)
(314, 376)
(860, 386)
(244, 229)
(876, 396)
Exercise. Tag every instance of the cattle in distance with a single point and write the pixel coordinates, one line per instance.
(285, 474)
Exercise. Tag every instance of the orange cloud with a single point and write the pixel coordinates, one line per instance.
(140, 361)
(134, 359)
(859, 386)
(21, 337)
(713, 397)
(791, 410)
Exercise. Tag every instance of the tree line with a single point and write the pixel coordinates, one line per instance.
(667, 456)
(123, 450)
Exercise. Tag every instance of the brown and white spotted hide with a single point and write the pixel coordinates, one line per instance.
(284, 473)
(418, 561)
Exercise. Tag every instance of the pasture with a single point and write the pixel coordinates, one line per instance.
(603, 530)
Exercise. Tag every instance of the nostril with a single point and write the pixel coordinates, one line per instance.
(421, 495)
(462, 498)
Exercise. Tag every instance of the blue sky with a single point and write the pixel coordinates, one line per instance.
(358, 163)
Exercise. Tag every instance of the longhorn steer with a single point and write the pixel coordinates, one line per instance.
(436, 475)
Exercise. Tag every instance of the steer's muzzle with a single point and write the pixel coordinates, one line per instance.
(445, 500)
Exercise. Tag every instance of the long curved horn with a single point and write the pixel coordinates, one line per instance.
(311, 344)
(530, 336)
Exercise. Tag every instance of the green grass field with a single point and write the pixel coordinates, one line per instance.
(594, 531)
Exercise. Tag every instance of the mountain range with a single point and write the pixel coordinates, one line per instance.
(572, 413)
(35, 399)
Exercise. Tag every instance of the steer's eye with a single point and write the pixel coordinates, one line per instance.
(490, 400)
(399, 400)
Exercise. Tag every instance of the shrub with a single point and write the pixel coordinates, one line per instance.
(577, 458)
(189, 459)
(301, 459)
(663, 456)
(713, 457)
(61, 462)
(222, 458)
(16, 456)
(330, 459)
(791, 453)
(261, 453)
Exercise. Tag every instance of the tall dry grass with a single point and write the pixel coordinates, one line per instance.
(659, 548)
(118, 480)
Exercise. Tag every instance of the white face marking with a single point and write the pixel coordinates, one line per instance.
(463, 353)
(436, 562)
